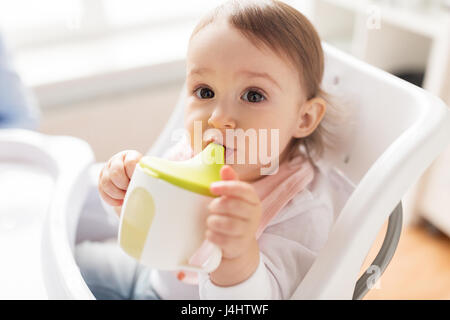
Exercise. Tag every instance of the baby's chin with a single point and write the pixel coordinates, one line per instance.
(246, 172)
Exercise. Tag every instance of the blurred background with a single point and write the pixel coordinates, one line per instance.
(111, 71)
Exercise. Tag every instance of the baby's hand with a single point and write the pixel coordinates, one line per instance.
(115, 176)
(234, 216)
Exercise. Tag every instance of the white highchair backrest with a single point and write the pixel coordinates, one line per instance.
(397, 130)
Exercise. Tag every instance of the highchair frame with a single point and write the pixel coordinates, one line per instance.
(383, 164)
(403, 153)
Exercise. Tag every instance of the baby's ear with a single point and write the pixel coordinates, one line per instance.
(309, 117)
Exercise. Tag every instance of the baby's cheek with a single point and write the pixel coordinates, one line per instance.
(189, 129)
(270, 144)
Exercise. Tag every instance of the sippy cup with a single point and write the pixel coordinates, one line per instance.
(163, 216)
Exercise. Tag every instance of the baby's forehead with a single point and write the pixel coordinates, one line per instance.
(229, 59)
(219, 40)
(220, 50)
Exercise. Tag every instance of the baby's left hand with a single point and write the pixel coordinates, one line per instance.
(234, 216)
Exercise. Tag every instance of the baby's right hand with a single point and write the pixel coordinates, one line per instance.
(115, 176)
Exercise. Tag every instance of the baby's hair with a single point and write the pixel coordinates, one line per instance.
(291, 35)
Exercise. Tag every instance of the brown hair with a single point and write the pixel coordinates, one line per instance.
(289, 33)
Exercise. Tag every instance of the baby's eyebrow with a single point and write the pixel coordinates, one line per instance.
(249, 73)
(259, 75)
(200, 71)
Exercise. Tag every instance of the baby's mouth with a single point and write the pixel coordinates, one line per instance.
(229, 152)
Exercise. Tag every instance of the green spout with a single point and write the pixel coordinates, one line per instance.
(195, 174)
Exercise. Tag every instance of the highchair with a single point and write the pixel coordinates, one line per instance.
(399, 129)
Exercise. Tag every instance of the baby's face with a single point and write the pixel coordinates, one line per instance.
(232, 84)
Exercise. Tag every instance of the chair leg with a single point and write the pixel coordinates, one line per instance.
(384, 256)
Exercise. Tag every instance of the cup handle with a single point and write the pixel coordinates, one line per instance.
(207, 258)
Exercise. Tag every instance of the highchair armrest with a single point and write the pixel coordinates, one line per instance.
(384, 256)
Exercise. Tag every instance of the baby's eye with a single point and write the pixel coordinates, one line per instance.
(253, 96)
(204, 93)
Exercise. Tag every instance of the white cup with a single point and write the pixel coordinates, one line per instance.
(162, 225)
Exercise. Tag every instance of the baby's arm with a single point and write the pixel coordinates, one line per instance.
(288, 248)
(115, 177)
(232, 223)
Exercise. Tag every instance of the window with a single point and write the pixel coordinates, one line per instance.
(68, 50)
(36, 23)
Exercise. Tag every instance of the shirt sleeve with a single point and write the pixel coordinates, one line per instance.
(258, 286)
(288, 248)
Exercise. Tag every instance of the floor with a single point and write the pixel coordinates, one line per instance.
(420, 268)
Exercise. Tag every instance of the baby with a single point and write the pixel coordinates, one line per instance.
(250, 66)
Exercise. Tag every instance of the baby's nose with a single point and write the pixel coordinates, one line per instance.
(221, 121)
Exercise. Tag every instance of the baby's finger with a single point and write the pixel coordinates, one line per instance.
(117, 173)
(100, 175)
(228, 173)
(109, 200)
(109, 188)
(130, 160)
(235, 188)
(231, 206)
(226, 225)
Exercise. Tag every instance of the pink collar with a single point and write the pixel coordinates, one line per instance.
(276, 190)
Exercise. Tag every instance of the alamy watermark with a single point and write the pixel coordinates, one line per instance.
(235, 143)
(373, 281)
(373, 21)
